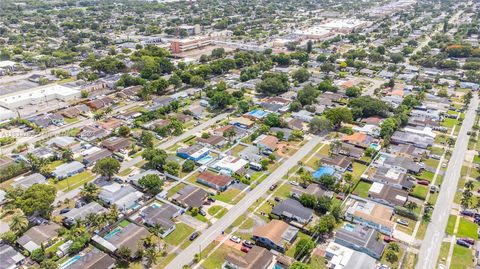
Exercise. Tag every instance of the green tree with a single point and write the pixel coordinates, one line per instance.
(339, 115)
(300, 265)
(303, 248)
(37, 199)
(301, 75)
(188, 166)
(152, 182)
(320, 125)
(90, 191)
(172, 168)
(353, 91)
(146, 139)
(156, 158)
(18, 223)
(107, 167)
(123, 131)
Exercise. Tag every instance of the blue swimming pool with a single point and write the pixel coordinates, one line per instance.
(257, 113)
(70, 261)
(205, 160)
(278, 266)
(112, 233)
(349, 227)
(322, 171)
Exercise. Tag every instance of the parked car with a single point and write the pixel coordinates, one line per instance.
(402, 222)
(193, 236)
(463, 243)
(211, 199)
(274, 186)
(468, 240)
(423, 182)
(245, 249)
(294, 183)
(389, 239)
(202, 212)
(235, 239)
(468, 213)
(433, 189)
(277, 199)
(247, 243)
(65, 210)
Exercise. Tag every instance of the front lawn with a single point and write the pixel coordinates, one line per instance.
(291, 250)
(462, 258)
(217, 211)
(426, 175)
(419, 191)
(358, 170)
(73, 182)
(229, 195)
(362, 189)
(468, 229)
(451, 224)
(182, 231)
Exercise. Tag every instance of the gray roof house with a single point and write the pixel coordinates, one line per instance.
(421, 141)
(128, 237)
(38, 235)
(125, 197)
(93, 259)
(82, 212)
(190, 196)
(27, 181)
(68, 169)
(388, 175)
(161, 215)
(133, 179)
(92, 158)
(387, 195)
(360, 238)
(291, 209)
(10, 258)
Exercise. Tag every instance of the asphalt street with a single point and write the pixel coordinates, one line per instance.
(187, 255)
(430, 249)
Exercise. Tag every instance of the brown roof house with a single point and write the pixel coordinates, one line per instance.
(359, 139)
(116, 143)
(216, 181)
(256, 258)
(266, 142)
(212, 141)
(93, 259)
(39, 235)
(275, 235)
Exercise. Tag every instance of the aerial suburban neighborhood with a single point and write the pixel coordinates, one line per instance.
(234, 134)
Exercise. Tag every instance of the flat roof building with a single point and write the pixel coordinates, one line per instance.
(38, 95)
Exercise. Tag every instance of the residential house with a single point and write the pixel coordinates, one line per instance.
(281, 133)
(111, 124)
(133, 179)
(100, 103)
(221, 131)
(68, 169)
(408, 151)
(194, 153)
(256, 258)
(93, 259)
(90, 133)
(360, 238)
(11, 259)
(129, 237)
(62, 142)
(361, 140)
(387, 195)
(312, 189)
(242, 122)
(293, 210)
(216, 181)
(162, 216)
(229, 165)
(266, 142)
(190, 197)
(341, 257)
(124, 197)
(27, 181)
(275, 235)
(338, 162)
(348, 150)
(303, 115)
(38, 236)
(160, 102)
(214, 141)
(391, 176)
(92, 158)
(399, 162)
(81, 213)
(116, 143)
(370, 214)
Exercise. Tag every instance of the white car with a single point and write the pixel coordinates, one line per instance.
(235, 239)
(294, 183)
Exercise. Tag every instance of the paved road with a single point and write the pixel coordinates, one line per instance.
(240, 208)
(430, 248)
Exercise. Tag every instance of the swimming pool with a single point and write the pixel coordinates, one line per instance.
(205, 160)
(375, 146)
(70, 261)
(112, 233)
(322, 171)
(257, 113)
(278, 266)
(349, 227)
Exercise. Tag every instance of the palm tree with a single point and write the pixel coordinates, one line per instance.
(411, 205)
(469, 185)
(113, 214)
(151, 256)
(124, 252)
(18, 223)
(67, 154)
(90, 191)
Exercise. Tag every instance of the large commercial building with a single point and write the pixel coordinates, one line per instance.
(38, 95)
(181, 45)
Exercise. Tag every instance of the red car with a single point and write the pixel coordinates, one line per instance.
(245, 249)
(389, 239)
(423, 182)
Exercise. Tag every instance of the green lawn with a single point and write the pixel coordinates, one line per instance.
(283, 191)
(436, 151)
(217, 258)
(318, 262)
(462, 258)
(229, 195)
(442, 258)
(291, 250)
(467, 229)
(362, 189)
(125, 172)
(419, 191)
(237, 149)
(358, 170)
(182, 231)
(426, 175)
(451, 224)
(431, 162)
(175, 189)
(124, 223)
(217, 211)
(449, 123)
(73, 182)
